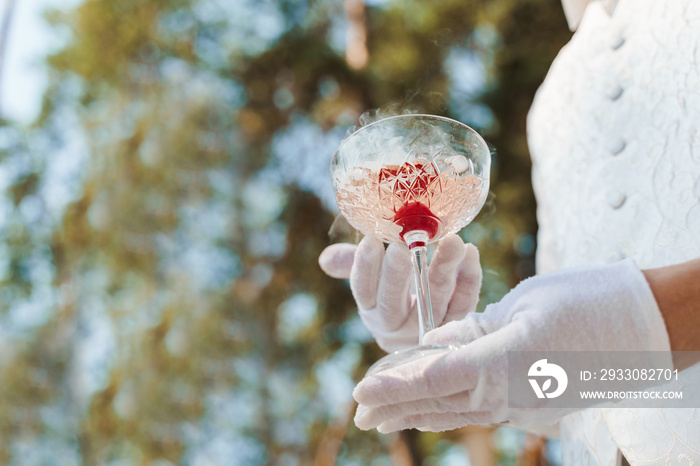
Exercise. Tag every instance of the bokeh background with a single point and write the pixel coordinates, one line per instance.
(162, 211)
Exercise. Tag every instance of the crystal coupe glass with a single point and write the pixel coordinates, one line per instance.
(412, 179)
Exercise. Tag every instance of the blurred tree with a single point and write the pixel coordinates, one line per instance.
(160, 296)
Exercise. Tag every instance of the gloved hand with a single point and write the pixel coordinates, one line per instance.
(586, 309)
(381, 283)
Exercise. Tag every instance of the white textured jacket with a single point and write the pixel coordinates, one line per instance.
(614, 134)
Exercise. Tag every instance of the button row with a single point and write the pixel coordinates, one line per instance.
(616, 199)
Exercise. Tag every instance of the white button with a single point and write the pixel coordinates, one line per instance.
(616, 199)
(616, 42)
(614, 92)
(616, 146)
(615, 256)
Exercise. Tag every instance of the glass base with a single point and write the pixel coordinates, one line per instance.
(407, 355)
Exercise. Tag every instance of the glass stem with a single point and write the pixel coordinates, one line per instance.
(417, 244)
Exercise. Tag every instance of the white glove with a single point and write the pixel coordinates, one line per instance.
(381, 283)
(587, 309)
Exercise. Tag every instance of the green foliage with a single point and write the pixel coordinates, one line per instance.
(163, 300)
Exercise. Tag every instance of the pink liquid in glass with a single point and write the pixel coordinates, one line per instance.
(388, 201)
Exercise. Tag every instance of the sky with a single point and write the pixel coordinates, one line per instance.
(24, 79)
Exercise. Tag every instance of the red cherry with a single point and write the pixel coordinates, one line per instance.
(415, 216)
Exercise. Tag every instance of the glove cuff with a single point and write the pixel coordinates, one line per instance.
(645, 306)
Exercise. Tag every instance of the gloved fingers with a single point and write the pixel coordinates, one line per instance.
(436, 422)
(336, 260)
(457, 332)
(480, 366)
(368, 418)
(467, 286)
(393, 301)
(443, 274)
(435, 375)
(365, 272)
(443, 423)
